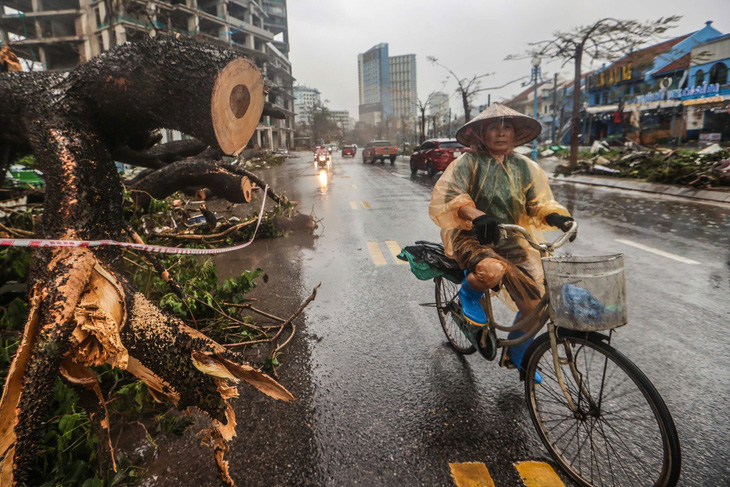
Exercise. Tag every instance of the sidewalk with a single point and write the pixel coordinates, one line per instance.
(714, 195)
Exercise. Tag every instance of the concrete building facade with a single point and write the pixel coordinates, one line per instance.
(60, 34)
(438, 106)
(341, 118)
(304, 99)
(276, 22)
(551, 109)
(403, 89)
(662, 93)
(707, 98)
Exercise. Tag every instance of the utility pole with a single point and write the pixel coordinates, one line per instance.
(449, 122)
(555, 103)
(535, 79)
(489, 99)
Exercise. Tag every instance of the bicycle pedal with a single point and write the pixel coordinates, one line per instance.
(504, 361)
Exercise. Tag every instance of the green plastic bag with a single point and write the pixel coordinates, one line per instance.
(421, 270)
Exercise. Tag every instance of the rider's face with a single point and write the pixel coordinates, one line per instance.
(499, 137)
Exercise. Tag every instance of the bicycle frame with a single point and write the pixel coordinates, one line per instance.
(539, 316)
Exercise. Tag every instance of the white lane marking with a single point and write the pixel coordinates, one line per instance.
(678, 258)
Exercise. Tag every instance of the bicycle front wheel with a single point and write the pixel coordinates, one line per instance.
(447, 304)
(621, 434)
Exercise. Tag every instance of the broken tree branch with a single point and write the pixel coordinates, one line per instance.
(283, 325)
(259, 182)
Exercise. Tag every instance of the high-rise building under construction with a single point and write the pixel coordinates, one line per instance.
(60, 34)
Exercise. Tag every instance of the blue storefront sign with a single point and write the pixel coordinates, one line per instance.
(679, 94)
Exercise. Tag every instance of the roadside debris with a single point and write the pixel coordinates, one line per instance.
(713, 149)
(599, 146)
(707, 168)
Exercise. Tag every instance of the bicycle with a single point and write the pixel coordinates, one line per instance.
(598, 415)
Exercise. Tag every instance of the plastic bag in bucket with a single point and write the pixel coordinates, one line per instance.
(586, 293)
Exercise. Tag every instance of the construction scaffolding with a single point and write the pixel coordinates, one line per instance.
(60, 34)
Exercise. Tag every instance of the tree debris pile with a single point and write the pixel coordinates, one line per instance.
(188, 288)
(88, 316)
(697, 169)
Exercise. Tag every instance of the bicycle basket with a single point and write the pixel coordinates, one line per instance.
(586, 293)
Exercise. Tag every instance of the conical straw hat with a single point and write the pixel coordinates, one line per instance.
(526, 128)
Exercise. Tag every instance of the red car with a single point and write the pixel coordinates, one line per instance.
(349, 150)
(435, 155)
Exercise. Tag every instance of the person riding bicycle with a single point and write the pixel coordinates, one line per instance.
(489, 186)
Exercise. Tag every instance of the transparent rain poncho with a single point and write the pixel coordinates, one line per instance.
(514, 192)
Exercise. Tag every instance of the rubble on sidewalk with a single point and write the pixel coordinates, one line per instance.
(698, 169)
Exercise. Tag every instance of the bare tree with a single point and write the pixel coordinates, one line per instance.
(320, 121)
(606, 39)
(422, 107)
(467, 88)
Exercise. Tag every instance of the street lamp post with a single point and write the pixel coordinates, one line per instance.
(535, 77)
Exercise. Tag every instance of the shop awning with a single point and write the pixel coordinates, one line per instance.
(653, 105)
(602, 109)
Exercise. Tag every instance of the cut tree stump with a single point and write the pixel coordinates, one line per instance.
(83, 309)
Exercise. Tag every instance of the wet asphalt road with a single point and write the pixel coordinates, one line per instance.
(382, 398)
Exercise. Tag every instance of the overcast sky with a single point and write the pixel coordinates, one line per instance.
(469, 36)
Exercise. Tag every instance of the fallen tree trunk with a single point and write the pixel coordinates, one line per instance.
(192, 172)
(160, 155)
(83, 311)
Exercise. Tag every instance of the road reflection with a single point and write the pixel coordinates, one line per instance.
(323, 179)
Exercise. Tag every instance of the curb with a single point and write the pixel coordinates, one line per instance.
(645, 187)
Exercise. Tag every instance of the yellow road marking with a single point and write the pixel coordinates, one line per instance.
(395, 250)
(354, 186)
(538, 474)
(376, 254)
(471, 474)
(354, 206)
(366, 205)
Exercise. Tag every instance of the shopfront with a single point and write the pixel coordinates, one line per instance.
(708, 115)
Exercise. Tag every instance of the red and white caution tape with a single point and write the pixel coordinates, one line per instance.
(16, 242)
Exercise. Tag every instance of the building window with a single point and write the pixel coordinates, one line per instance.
(718, 74)
(699, 78)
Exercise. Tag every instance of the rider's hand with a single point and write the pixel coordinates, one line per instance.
(486, 229)
(560, 221)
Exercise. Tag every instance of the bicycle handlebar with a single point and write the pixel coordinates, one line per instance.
(547, 247)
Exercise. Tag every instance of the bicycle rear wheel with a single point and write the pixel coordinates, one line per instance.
(622, 434)
(447, 304)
